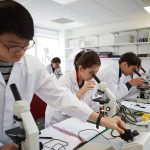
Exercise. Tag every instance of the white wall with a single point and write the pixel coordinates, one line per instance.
(107, 29)
(127, 25)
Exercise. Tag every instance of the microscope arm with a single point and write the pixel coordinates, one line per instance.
(31, 132)
(110, 107)
(22, 111)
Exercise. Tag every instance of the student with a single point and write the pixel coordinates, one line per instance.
(54, 67)
(119, 75)
(30, 76)
(80, 82)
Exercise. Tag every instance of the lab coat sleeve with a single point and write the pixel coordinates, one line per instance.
(60, 97)
(133, 90)
(65, 81)
(119, 89)
(86, 97)
(48, 69)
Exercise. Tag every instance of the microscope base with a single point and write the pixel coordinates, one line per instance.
(140, 142)
(17, 135)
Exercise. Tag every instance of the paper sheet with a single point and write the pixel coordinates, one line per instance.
(74, 126)
(69, 142)
(137, 106)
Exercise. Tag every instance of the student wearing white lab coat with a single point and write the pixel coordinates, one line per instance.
(80, 82)
(118, 75)
(30, 76)
(54, 67)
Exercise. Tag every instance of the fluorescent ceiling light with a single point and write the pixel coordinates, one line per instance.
(64, 2)
(75, 24)
(147, 9)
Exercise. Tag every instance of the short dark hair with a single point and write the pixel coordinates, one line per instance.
(86, 59)
(56, 60)
(131, 59)
(15, 19)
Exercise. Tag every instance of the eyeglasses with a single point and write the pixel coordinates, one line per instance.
(14, 49)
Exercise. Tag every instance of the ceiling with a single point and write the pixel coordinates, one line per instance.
(85, 12)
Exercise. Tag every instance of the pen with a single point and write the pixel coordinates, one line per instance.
(45, 137)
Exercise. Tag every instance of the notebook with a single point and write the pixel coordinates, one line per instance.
(75, 127)
(59, 140)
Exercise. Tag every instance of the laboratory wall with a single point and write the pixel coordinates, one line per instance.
(104, 38)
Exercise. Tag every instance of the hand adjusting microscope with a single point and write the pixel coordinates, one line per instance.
(134, 140)
(27, 135)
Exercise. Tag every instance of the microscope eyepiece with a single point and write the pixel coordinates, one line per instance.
(96, 78)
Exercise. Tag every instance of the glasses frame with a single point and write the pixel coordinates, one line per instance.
(15, 49)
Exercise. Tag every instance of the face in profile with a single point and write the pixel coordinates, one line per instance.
(128, 70)
(86, 73)
(12, 48)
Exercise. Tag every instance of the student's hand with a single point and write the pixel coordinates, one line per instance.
(114, 123)
(9, 147)
(144, 86)
(147, 86)
(89, 85)
(136, 81)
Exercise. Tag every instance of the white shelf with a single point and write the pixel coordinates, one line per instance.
(116, 42)
(128, 44)
(113, 45)
(143, 43)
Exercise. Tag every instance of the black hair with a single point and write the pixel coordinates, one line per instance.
(86, 59)
(56, 60)
(131, 59)
(15, 19)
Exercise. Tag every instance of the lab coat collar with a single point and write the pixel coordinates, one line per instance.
(13, 73)
(2, 81)
(116, 66)
(74, 75)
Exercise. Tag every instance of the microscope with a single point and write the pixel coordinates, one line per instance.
(107, 105)
(26, 136)
(144, 94)
(132, 139)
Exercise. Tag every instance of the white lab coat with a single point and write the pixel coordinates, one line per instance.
(69, 80)
(110, 75)
(31, 77)
(57, 71)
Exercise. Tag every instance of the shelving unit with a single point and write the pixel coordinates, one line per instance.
(137, 41)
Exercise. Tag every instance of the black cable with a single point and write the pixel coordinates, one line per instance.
(124, 117)
(114, 136)
(107, 138)
(122, 112)
(59, 147)
(85, 130)
(52, 148)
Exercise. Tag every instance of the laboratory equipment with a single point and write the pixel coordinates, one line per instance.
(27, 134)
(104, 96)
